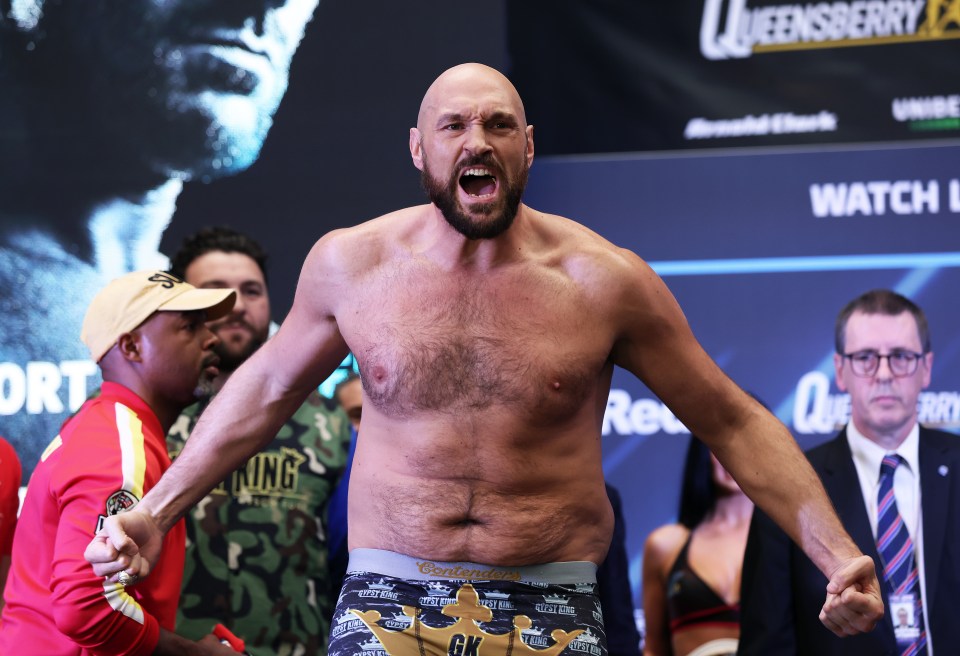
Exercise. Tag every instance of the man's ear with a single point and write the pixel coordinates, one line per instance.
(529, 142)
(128, 345)
(416, 148)
(838, 372)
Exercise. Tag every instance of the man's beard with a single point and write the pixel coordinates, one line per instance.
(203, 390)
(231, 358)
(445, 197)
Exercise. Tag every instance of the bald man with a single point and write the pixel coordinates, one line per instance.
(486, 333)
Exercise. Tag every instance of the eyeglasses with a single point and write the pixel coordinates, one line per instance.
(867, 363)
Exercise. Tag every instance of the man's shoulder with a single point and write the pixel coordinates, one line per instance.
(346, 255)
(940, 439)
(581, 252)
(935, 433)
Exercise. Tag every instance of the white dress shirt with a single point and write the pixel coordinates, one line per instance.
(867, 456)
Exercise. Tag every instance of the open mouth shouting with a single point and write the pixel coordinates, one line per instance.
(479, 182)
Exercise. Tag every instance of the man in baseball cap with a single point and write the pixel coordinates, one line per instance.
(147, 331)
(129, 300)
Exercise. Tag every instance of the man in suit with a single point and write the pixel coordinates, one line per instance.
(883, 361)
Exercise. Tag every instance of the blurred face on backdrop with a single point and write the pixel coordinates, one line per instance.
(474, 149)
(247, 326)
(190, 84)
(883, 405)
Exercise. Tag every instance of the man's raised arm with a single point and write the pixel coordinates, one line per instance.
(244, 416)
(656, 344)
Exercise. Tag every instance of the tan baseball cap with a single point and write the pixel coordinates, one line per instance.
(128, 301)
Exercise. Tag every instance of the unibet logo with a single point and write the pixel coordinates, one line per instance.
(928, 113)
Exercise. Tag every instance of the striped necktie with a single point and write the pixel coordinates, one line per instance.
(899, 564)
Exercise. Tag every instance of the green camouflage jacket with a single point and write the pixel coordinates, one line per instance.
(257, 544)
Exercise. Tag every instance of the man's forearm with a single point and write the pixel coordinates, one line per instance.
(240, 420)
(774, 472)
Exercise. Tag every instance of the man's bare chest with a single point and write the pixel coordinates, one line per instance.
(527, 347)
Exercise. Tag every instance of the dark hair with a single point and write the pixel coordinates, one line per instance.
(881, 301)
(697, 495)
(217, 238)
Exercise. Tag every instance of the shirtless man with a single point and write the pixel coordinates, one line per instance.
(486, 333)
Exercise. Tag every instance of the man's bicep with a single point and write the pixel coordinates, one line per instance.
(656, 344)
(309, 345)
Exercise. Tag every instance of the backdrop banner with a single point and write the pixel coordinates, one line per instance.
(762, 250)
(643, 75)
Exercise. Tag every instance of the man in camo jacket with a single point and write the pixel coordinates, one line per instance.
(257, 557)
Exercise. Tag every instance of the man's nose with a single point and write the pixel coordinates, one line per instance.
(239, 306)
(883, 370)
(210, 339)
(476, 140)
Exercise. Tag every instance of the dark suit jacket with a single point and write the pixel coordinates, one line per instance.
(613, 588)
(782, 592)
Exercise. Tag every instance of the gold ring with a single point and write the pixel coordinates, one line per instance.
(127, 579)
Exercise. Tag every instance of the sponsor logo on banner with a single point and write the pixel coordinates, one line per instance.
(44, 387)
(928, 113)
(818, 412)
(734, 29)
(761, 125)
(624, 416)
(884, 197)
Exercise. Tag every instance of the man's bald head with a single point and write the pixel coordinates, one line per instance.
(471, 80)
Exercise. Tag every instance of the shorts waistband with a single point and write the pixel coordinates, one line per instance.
(389, 563)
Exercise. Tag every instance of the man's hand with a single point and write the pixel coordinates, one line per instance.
(129, 542)
(854, 603)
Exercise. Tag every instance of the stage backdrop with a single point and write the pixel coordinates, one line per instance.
(103, 117)
(762, 249)
(690, 74)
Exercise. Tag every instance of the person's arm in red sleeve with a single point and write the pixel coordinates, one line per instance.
(100, 616)
(9, 504)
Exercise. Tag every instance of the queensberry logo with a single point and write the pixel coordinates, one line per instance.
(733, 29)
(817, 411)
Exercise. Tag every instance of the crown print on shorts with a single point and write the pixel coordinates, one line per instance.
(464, 633)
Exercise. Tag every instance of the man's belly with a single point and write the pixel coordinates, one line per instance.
(458, 521)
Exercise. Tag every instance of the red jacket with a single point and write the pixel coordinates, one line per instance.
(103, 462)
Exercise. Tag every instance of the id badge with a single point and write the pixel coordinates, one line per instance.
(906, 620)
